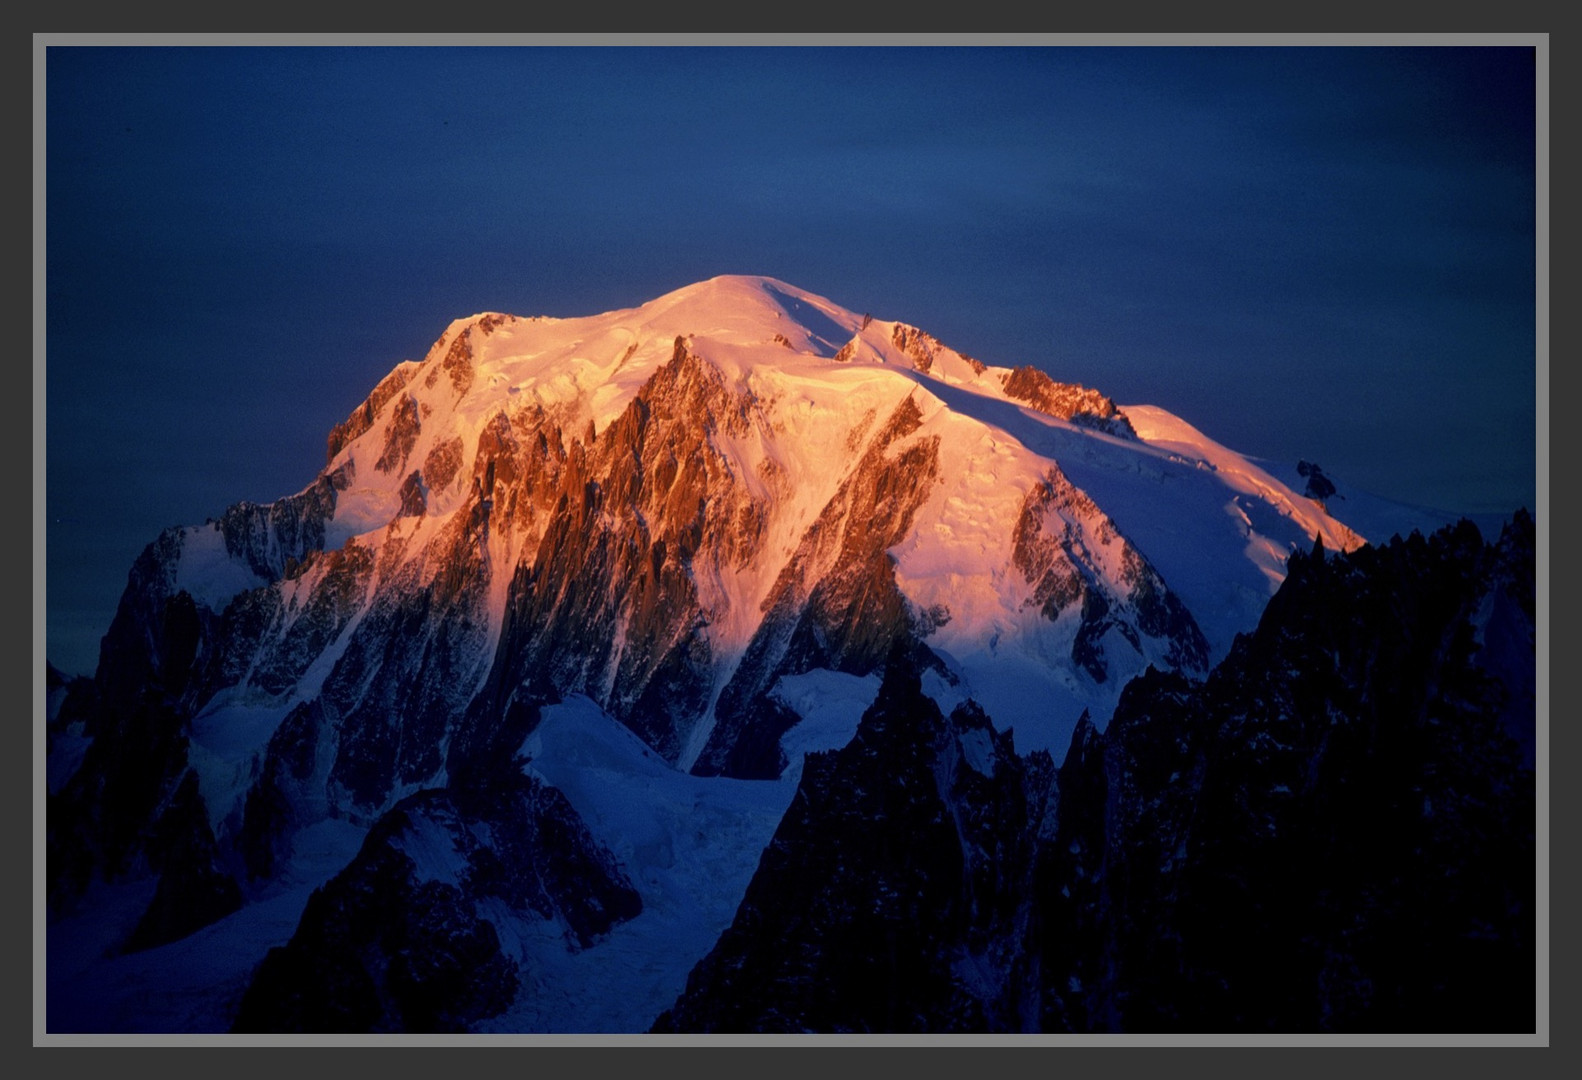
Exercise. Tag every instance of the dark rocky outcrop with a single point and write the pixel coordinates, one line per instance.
(193, 890)
(1319, 487)
(414, 495)
(290, 791)
(296, 636)
(1334, 832)
(163, 659)
(407, 673)
(919, 346)
(1067, 401)
(405, 939)
(893, 895)
(154, 670)
(443, 463)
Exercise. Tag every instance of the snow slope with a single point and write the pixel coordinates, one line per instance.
(689, 844)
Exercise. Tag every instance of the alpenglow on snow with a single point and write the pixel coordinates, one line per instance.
(623, 573)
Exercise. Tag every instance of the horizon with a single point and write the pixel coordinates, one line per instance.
(1326, 252)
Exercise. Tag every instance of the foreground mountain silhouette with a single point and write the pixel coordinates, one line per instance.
(527, 675)
(1333, 832)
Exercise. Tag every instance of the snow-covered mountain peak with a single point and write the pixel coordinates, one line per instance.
(753, 300)
(750, 480)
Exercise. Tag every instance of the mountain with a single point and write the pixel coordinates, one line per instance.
(488, 727)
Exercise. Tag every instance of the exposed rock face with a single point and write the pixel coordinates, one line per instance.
(405, 938)
(362, 418)
(1067, 401)
(1333, 832)
(457, 363)
(835, 605)
(164, 657)
(917, 345)
(606, 604)
(266, 536)
(610, 605)
(414, 495)
(442, 463)
(406, 673)
(400, 436)
(298, 631)
(290, 792)
(1081, 567)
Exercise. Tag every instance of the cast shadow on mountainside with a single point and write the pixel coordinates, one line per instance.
(1335, 832)
(1007, 416)
(820, 326)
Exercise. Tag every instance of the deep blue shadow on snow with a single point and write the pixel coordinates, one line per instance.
(829, 333)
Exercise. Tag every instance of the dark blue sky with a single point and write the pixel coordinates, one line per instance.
(1307, 252)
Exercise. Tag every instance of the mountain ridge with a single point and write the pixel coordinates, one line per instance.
(714, 520)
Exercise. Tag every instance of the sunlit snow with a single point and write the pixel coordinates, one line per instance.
(820, 380)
